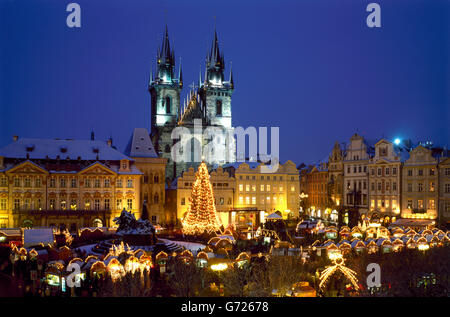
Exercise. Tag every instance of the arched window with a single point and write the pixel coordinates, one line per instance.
(156, 198)
(168, 105)
(156, 179)
(218, 107)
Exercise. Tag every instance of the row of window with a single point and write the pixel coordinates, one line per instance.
(251, 200)
(420, 172)
(267, 188)
(37, 204)
(155, 198)
(420, 204)
(221, 201)
(63, 182)
(356, 200)
(420, 187)
(384, 187)
(356, 169)
(384, 203)
(145, 179)
(268, 177)
(319, 187)
(387, 171)
(357, 185)
(220, 184)
(217, 93)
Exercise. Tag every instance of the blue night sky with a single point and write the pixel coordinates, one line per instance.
(313, 68)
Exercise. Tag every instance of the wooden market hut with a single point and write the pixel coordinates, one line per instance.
(397, 245)
(97, 269)
(372, 247)
(345, 247)
(202, 259)
(358, 245)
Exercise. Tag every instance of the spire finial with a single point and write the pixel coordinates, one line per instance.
(231, 75)
(180, 74)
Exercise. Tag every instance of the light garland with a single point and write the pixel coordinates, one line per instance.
(338, 262)
(201, 215)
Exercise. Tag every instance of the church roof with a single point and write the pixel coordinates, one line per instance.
(140, 144)
(29, 148)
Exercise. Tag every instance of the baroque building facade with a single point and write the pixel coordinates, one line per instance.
(207, 105)
(243, 193)
(420, 185)
(399, 180)
(384, 180)
(75, 183)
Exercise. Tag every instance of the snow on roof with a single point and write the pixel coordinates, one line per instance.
(274, 216)
(140, 144)
(52, 148)
(32, 237)
(11, 231)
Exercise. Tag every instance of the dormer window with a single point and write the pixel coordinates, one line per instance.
(95, 150)
(30, 148)
(124, 165)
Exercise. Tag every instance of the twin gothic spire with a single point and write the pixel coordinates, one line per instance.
(165, 66)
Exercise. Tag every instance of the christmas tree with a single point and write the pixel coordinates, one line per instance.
(201, 216)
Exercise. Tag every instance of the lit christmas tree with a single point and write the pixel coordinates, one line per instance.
(201, 215)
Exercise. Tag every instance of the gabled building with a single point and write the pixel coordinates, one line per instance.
(75, 183)
(243, 193)
(356, 176)
(385, 180)
(153, 168)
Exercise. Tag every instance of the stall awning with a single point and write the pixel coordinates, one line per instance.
(274, 216)
(412, 223)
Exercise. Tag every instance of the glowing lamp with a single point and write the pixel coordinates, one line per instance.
(397, 141)
(219, 267)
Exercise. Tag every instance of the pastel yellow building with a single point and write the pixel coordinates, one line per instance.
(223, 187)
(384, 180)
(75, 183)
(420, 185)
(258, 194)
(243, 194)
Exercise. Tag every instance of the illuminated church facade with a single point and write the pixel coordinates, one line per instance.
(208, 104)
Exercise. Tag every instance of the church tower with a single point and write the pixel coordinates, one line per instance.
(214, 91)
(164, 88)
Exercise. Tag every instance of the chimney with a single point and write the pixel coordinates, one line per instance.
(15, 138)
(109, 142)
(1, 163)
(92, 136)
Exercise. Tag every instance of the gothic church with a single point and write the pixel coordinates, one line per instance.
(208, 104)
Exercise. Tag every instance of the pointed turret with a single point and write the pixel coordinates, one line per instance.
(164, 87)
(180, 74)
(165, 54)
(231, 81)
(165, 60)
